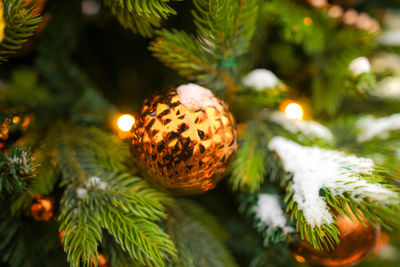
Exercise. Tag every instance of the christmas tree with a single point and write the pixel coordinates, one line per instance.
(199, 133)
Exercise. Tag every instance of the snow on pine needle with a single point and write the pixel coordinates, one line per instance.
(314, 168)
(370, 128)
(270, 213)
(93, 182)
(360, 65)
(260, 79)
(310, 129)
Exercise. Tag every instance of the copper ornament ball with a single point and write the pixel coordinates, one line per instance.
(183, 140)
(42, 208)
(356, 243)
(101, 261)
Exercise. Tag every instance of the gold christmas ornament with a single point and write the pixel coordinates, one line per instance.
(356, 243)
(184, 139)
(42, 209)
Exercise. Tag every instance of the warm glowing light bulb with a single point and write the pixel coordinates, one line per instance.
(125, 122)
(16, 119)
(294, 111)
(307, 21)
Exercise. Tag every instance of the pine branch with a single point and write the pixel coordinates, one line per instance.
(182, 52)
(93, 153)
(20, 25)
(87, 159)
(257, 100)
(311, 37)
(133, 21)
(272, 236)
(320, 237)
(382, 150)
(305, 132)
(248, 167)
(46, 177)
(225, 30)
(115, 254)
(10, 240)
(83, 233)
(375, 211)
(24, 89)
(143, 240)
(201, 215)
(140, 16)
(134, 196)
(195, 240)
(17, 234)
(151, 8)
(123, 205)
(127, 207)
(16, 168)
(362, 188)
(327, 49)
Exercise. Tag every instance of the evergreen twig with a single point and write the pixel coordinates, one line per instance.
(21, 23)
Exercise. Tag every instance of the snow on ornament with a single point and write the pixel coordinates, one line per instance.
(314, 168)
(359, 66)
(183, 140)
(260, 79)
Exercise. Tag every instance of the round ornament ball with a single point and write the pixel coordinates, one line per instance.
(101, 261)
(356, 243)
(42, 208)
(183, 140)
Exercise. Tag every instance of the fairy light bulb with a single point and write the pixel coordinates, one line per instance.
(294, 111)
(125, 122)
(307, 21)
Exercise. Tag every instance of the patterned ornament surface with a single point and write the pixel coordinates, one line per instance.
(183, 140)
(356, 243)
(42, 209)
